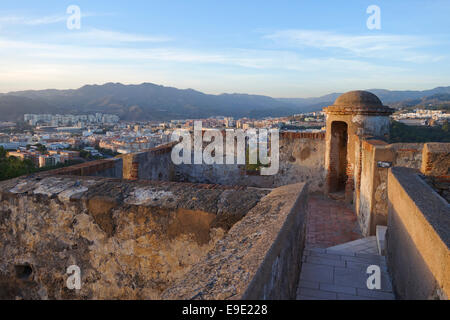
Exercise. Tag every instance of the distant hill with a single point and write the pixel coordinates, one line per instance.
(395, 96)
(435, 101)
(141, 102)
(14, 107)
(388, 97)
(149, 101)
(312, 104)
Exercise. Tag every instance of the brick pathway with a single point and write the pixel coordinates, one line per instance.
(336, 256)
(333, 275)
(330, 222)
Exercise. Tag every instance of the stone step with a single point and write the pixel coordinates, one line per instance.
(341, 275)
(337, 196)
(366, 245)
(381, 239)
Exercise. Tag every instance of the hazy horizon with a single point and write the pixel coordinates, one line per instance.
(213, 93)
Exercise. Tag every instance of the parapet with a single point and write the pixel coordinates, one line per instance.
(418, 237)
(436, 159)
(131, 239)
(259, 258)
(302, 135)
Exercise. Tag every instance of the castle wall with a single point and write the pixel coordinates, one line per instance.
(418, 238)
(301, 160)
(436, 160)
(131, 240)
(109, 168)
(153, 164)
(373, 160)
(358, 125)
(259, 258)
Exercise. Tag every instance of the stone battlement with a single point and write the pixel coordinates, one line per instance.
(131, 239)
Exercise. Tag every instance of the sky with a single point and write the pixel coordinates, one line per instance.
(275, 48)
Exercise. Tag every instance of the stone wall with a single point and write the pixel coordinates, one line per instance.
(259, 258)
(436, 167)
(407, 155)
(418, 237)
(436, 159)
(301, 160)
(153, 164)
(366, 185)
(373, 160)
(357, 124)
(131, 240)
(110, 168)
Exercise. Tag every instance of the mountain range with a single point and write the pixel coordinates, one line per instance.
(149, 101)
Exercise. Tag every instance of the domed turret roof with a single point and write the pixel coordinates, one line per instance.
(358, 102)
(358, 98)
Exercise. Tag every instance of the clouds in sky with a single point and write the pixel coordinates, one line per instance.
(397, 47)
(21, 20)
(15, 20)
(75, 57)
(272, 60)
(99, 36)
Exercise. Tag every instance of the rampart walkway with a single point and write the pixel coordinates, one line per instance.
(336, 256)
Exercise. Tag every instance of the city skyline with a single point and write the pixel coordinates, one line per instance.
(281, 49)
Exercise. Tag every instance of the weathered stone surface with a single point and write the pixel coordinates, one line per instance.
(417, 238)
(301, 160)
(130, 240)
(440, 184)
(260, 256)
(436, 159)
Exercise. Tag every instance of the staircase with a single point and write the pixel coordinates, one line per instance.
(340, 272)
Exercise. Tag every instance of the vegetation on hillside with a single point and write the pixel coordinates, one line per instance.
(149, 101)
(440, 101)
(12, 167)
(401, 132)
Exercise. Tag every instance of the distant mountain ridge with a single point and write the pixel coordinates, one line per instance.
(148, 101)
(388, 97)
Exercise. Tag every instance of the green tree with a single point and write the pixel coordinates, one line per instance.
(41, 148)
(445, 126)
(2, 153)
(12, 167)
(401, 132)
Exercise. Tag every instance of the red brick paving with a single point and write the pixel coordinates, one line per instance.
(330, 222)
